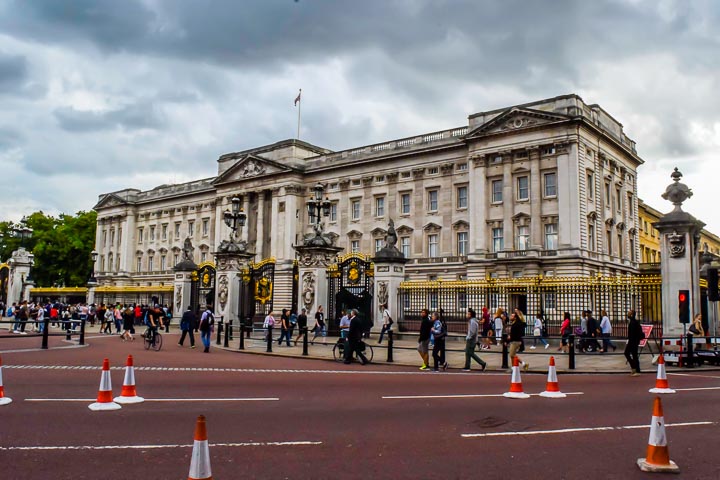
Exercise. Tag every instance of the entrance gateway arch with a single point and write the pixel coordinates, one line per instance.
(350, 285)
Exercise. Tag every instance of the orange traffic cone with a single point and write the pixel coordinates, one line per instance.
(661, 383)
(200, 460)
(658, 456)
(104, 398)
(516, 389)
(128, 393)
(552, 388)
(3, 399)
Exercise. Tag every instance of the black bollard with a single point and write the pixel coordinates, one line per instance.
(220, 329)
(242, 337)
(571, 352)
(504, 355)
(305, 341)
(249, 325)
(82, 332)
(46, 332)
(269, 340)
(689, 361)
(68, 332)
(390, 344)
(228, 329)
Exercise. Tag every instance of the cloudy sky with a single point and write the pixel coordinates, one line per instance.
(98, 96)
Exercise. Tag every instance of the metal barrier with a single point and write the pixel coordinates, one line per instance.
(45, 333)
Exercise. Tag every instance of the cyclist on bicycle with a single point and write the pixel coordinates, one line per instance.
(345, 325)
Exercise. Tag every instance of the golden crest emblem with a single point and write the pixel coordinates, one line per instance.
(206, 279)
(353, 274)
(263, 290)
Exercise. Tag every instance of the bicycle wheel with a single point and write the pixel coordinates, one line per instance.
(158, 342)
(337, 354)
(368, 352)
(146, 340)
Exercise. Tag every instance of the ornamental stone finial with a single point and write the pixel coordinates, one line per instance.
(677, 192)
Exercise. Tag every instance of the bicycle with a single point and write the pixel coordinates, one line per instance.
(339, 351)
(156, 345)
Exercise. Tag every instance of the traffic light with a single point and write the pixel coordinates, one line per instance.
(684, 306)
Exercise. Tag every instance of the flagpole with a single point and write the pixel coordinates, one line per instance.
(299, 108)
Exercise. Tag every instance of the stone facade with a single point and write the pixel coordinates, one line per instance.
(544, 188)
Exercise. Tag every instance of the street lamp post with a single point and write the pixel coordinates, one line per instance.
(234, 219)
(92, 280)
(22, 231)
(318, 208)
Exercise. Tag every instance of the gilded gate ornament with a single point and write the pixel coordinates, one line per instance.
(263, 290)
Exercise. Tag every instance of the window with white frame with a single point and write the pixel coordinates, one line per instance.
(405, 203)
(462, 197)
(164, 231)
(497, 239)
(551, 236)
(102, 263)
(355, 209)
(140, 235)
(104, 238)
(176, 259)
(550, 184)
(355, 246)
(150, 263)
(405, 246)
(608, 242)
(177, 229)
(138, 264)
(117, 263)
(618, 200)
(433, 247)
(163, 262)
(590, 185)
(110, 262)
(379, 206)
(191, 228)
(620, 249)
(203, 257)
(591, 237)
(462, 167)
(205, 227)
(112, 236)
(523, 188)
(152, 233)
(497, 191)
(462, 243)
(378, 244)
(523, 237)
(432, 200)
(333, 212)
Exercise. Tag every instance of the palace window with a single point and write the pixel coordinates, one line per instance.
(191, 228)
(632, 250)
(164, 231)
(551, 236)
(550, 184)
(152, 233)
(405, 246)
(117, 262)
(607, 195)
(112, 236)
(462, 167)
(497, 239)
(176, 259)
(497, 191)
(119, 235)
(523, 237)
(104, 236)
(462, 243)
(433, 171)
(618, 200)
(163, 262)
(138, 264)
(523, 188)
(205, 227)
(590, 186)
(203, 257)
(405, 203)
(432, 200)
(591, 238)
(433, 250)
(150, 263)
(462, 197)
(110, 262)
(177, 229)
(608, 242)
(379, 206)
(140, 235)
(355, 209)
(378, 244)
(621, 250)
(333, 212)
(355, 246)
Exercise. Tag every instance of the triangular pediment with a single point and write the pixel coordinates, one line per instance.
(110, 200)
(251, 167)
(515, 119)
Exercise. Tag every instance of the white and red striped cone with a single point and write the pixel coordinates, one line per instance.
(658, 456)
(128, 394)
(516, 388)
(200, 460)
(552, 388)
(3, 399)
(104, 398)
(661, 383)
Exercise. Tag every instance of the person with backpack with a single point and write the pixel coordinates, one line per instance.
(187, 325)
(439, 331)
(207, 322)
(292, 323)
(387, 321)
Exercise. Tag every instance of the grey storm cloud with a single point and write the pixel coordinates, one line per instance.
(13, 72)
(139, 116)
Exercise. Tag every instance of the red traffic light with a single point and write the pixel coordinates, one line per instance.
(682, 297)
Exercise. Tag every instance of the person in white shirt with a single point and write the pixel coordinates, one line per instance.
(606, 332)
(538, 332)
(387, 321)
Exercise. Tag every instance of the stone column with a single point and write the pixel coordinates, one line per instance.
(227, 286)
(389, 272)
(313, 262)
(182, 293)
(680, 266)
(20, 264)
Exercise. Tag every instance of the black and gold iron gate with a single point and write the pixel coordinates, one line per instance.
(202, 290)
(257, 290)
(350, 285)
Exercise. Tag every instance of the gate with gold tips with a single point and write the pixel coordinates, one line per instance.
(350, 285)
(257, 291)
(202, 291)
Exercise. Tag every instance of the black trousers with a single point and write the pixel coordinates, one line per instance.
(352, 347)
(190, 334)
(631, 353)
(438, 353)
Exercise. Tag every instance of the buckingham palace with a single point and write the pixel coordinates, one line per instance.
(547, 188)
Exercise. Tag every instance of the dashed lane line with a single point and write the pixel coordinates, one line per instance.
(488, 395)
(242, 370)
(267, 399)
(300, 443)
(577, 430)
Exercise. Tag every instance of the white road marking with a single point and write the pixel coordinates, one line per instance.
(575, 430)
(423, 397)
(150, 447)
(691, 375)
(696, 389)
(269, 399)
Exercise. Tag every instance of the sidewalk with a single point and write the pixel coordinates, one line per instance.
(405, 354)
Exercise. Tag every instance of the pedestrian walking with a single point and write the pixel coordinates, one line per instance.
(108, 319)
(284, 327)
(301, 324)
(439, 331)
(424, 338)
(354, 343)
(207, 325)
(517, 332)
(319, 329)
(387, 321)
(606, 332)
(268, 325)
(345, 325)
(128, 319)
(538, 328)
(635, 335)
(565, 331)
(499, 322)
(187, 325)
(471, 341)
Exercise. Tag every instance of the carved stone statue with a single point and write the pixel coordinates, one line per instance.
(188, 249)
(390, 250)
(223, 293)
(252, 168)
(391, 237)
(383, 293)
(677, 244)
(308, 290)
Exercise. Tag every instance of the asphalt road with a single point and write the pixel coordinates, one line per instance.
(333, 420)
